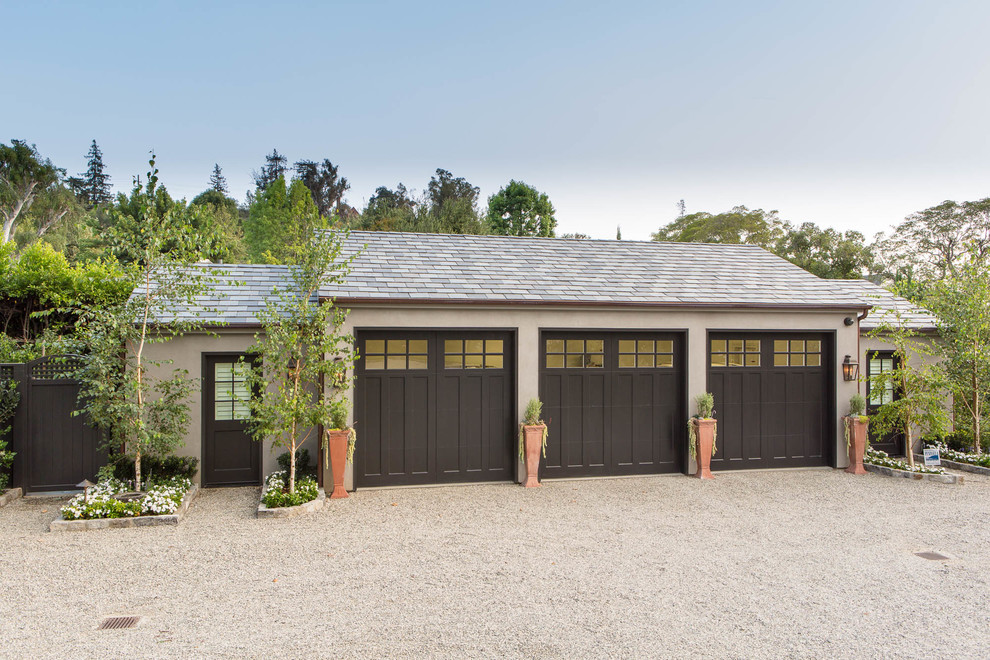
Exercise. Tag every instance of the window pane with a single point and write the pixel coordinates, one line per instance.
(575, 361)
(780, 345)
(453, 361)
(665, 360)
(240, 390)
(418, 346)
(797, 346)
(555, 346)
(453, 346)
(718, 346)
(473, 362)
(396, 361)
(644, 346)
(797, 359)
(814, 346)
(417, 361)
(780, 359)
(396, 346)
(555, 362)
(752, 359)
(873, 367)
(644, 361)
(735, 345)
(223, 371)
(718, 360)
(665, 346)
(887, 364)
(241, 410)
(814, 360)
(594, 360)
(224, 411)
(595, 346)
(493, 345)
(627, 346)
(223, 392)
(374, 362)
(735, 360)
(752, 345)
(493, 361)
(241, 370)
(575, 346)
(374, 346)
(474, 346)
(626, 361)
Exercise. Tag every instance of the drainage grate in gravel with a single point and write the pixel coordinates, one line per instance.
(119, 622)
(934, 556)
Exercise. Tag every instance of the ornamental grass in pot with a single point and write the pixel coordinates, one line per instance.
(532, 441)
(339, 447)
(702, 432)
(856, 428)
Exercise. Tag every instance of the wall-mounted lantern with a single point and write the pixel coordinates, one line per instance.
(850, 369)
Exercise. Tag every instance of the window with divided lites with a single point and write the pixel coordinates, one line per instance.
(797, 353)
(575, 354)
(473, 354)
(735, 352)
(645, 353)
(396, 354)
(231, 397)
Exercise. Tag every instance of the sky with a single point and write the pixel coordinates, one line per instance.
(847, 114)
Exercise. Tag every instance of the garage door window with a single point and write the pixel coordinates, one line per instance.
(797, 353)
(396, 354)
(736, 352)
(575, 354)
(640, 353)
(473, 354)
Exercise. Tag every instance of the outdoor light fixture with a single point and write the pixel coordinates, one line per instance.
(85, 484)
(850, 369)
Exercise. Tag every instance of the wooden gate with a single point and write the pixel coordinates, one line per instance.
(55, 449)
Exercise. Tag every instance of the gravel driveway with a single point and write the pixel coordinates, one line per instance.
(810, 563)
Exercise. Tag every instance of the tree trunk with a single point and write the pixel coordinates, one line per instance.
(909, 445)
(137, 471)
(292, 467)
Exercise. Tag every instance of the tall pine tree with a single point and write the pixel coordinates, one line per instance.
(93, 185)
(217, 180)
(275, 166)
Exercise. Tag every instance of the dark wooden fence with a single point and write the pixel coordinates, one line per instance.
(55, 449)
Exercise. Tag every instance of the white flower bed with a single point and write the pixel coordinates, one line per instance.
(980, 460)
(161, 499)
(881, 458)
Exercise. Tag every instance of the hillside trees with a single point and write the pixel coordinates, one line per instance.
(325, 185)
(218, 183)
(25, 177)
(519, 209)
(92, 187)
(278, 216)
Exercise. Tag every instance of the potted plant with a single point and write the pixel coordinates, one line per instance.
(339, 446)
(702, 431)
(532, 440)
(856, 425)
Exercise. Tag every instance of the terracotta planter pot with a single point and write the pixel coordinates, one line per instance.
(534, 447)
(705, 430)
(338, 460)
(857, 443)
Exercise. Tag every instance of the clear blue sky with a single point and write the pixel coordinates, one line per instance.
(849, 114)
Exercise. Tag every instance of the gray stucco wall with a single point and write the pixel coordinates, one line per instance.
(528, 321)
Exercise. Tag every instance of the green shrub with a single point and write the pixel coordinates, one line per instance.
(302, 463)
(277, 494)
(155, 468)
(706, 405)
(534, 410)
(857, 405)
(338, 415)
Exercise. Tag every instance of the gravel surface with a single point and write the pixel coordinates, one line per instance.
(811, 563)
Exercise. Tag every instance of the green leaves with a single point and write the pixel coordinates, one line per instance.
(519, 209)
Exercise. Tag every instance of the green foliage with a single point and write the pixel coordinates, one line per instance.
(706, 405)
(220, 214)
(519, 209)
(532, 417)
(957, 440)
(962, 456)
(25, 177)
(857, 405)
(155, 467)
(9, 399)
(881, 458)
(218, 183)
(280, 218)
(533, 411)
(338, 414)
(302, 461)
(163, 497)
(390, 210)
(739, 225)
(92, 187)
(302, 346)
(325, 186)
(278, 494)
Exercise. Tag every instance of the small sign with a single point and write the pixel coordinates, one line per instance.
(931, 457)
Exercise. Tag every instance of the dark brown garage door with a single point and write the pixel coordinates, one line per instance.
(771, 399)
(614, 403)
(434, 407)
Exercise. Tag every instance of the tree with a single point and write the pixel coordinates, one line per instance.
(24, 176)
(218, 183)
(451, 205)
(275, 166)
(389, 210)
(222, 215)
(681, 209)
(278, 216)
(961, 303)
(92, 187)
(826, 252)
(303, 356)
(918, 403)
(9, 398)
(738, 225)
(618, 233)
(143, 414)
(519, 209)
(326, 188)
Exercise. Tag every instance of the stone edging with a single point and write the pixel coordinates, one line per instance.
(293, 511)
(962, 467)
(917, 476)
(10, 495)
(60, 525)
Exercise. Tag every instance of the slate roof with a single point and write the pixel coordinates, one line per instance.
(886, 307)
(397, 266)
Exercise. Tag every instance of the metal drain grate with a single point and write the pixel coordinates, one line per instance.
(934, 556)
(119, 622)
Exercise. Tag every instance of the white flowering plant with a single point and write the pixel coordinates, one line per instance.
(982, 460)
(277, 493)
(161, 498)
(881, 458)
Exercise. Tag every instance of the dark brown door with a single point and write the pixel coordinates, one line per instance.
(434, 407)
(878, 363)
(231, 457)
(614, 402)
(771, 399)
